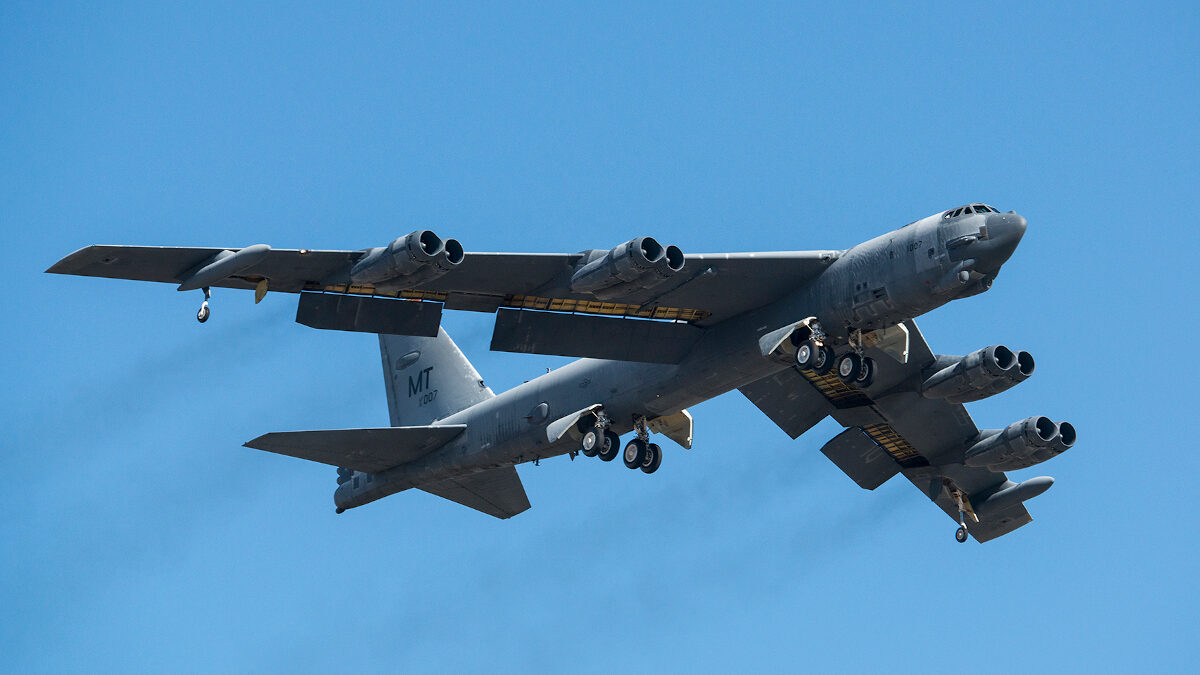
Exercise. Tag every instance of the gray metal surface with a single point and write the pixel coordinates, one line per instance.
(496, 492)
(861, 458)
(367, 450)
(428, 379)
(789, 400)
(331, 311)
(597, 337)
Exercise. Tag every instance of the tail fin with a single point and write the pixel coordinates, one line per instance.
(427, 378)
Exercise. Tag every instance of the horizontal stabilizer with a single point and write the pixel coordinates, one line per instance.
(332, 311)
(496, 492)
(861, 458)
(367, 450)
(597, 337)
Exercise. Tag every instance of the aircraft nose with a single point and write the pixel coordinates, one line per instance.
(1004, 232)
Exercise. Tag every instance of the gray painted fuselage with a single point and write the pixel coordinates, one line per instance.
(882, 282)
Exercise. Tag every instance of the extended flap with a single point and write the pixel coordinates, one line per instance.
(597, 337)
(861, 458)
(332, 311)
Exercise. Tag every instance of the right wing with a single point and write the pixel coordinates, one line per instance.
(709, 288)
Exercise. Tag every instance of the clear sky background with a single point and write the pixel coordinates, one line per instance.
(138, 535)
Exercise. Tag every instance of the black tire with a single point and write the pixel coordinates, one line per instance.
(202, 315)
(653, 458)
(824, 361)
(806, 354)
(848, 367)
(960, 535)
(866, 373)
(635, 453)
(592, 439)
(611, 447)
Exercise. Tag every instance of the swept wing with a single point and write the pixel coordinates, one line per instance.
(891, 429)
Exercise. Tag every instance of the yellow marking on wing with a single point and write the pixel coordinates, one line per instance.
(530, 302)
(893, 443)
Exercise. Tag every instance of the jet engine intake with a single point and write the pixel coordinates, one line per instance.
(1020, 445)
(408, 261)
(636, 265)
(977, 375)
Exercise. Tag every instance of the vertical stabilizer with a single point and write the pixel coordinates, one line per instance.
(428, 378)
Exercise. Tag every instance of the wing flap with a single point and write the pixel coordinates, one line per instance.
(367, 450)
(496, 492)
(598, 337)
(861, 458)
(789, 400)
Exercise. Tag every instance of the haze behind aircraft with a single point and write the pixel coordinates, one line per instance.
(803, 335)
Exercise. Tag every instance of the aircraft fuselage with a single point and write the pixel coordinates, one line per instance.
(879, 283)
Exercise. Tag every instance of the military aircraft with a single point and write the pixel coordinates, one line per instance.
(802, 334)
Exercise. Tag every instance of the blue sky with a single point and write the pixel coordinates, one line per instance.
(140, 536)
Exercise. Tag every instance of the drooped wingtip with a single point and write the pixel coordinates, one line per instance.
(64, 266)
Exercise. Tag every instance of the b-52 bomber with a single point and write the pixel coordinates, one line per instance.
(802, 334)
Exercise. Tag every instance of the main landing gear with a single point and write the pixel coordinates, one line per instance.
(852, 367)
(600, 441)
(640, 453)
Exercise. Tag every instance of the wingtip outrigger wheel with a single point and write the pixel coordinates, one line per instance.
(960, 535)
(202, 315)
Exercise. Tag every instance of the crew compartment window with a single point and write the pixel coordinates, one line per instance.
(957, 212)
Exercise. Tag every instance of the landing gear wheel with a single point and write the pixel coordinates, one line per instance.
(592, 441)
(823, 360)
(961, 535)
(635, 453)
(866, 373)
(202, 315)
(653, 458)
(806, 354)
(610, 448)
(849, 366)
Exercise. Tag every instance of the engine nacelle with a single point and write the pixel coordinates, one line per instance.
(408, 261)
(977, 375)
(1020, 445)
(636, 265)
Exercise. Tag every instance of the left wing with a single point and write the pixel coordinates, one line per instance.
(891, 428)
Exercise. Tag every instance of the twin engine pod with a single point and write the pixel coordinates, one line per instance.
(978, 375)
(408, 261)
(1020, 445)
(636, 265)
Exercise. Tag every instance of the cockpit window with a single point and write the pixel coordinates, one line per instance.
(970, 209)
